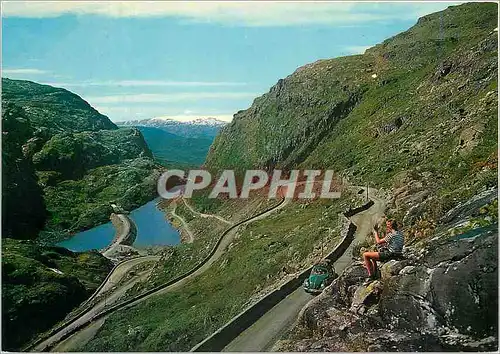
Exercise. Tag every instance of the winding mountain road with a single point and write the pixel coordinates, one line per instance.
(117, 273)
(185, 226)
(262, 335)
(206, 215)
(87, 321)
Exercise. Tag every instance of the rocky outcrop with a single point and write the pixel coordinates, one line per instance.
(78, 157)
(397, 106)
(442, 297)
(71, 155)
(56, 110)
(23, 208)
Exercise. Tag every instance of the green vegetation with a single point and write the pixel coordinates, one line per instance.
(23, 207)
(82, 161)
(185, 256)
(415, 104)
(415, 115)
(488, 215)
(207, 231)
(264, 253)
(63, 163)
(204, 204)
(71, 155)
(53, 110)
(175, 150)
(81, 204)
(40, 285)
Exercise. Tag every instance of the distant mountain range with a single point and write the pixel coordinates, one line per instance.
(197, 128)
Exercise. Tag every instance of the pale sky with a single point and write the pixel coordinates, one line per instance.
(136, 60)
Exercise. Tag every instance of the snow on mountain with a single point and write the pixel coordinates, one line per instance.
(198, 127)
(160, 121)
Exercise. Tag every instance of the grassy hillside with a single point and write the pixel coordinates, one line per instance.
(176, 150)
(83, 162)
(420, 106)
(415, 116)
(263, 254)
(40, 285)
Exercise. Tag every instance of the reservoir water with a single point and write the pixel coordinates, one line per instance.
(152, 229)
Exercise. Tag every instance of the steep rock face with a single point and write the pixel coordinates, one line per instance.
(70, 146)
(283, 126)
(23, 207)
(423, 102)
(73, 154)
(442, 297)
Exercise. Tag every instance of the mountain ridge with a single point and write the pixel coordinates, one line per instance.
(196, 128)
(68, 141)
(63, 163)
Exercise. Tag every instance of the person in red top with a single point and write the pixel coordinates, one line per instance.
(392, 247)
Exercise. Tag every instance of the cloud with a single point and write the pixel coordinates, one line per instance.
(232, 13)
(144, 83)
(357, 49)
(24, 71)
(172, 97)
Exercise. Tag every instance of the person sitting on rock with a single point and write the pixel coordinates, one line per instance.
(392, 247)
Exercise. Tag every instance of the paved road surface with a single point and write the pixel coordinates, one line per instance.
(125, 231)
(262, 335)
(86, 318)
(185, 226)
(122, 269)
(107, 300)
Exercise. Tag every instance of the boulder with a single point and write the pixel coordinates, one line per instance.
(446, 299)
(392, 267)
(366, 296)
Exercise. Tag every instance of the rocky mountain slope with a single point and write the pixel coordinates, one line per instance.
(415, 116)
(40, 285)
(71, 147)
(426, 97)
(20, 219)
(62, 165)
(54, 110)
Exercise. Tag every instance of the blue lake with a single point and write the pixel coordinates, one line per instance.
(152, 229)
